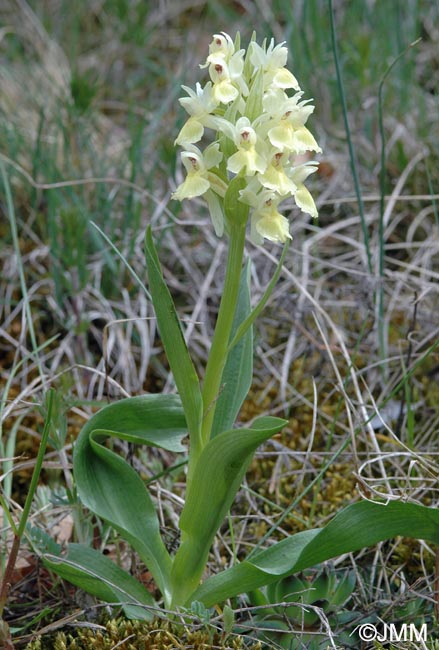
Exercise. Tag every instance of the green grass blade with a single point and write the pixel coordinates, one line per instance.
(19, 531)
(38, 463)
(217, 477)
(176, 350)
(354, 170)
(122, 258)
(382, 338)
(16, 243)
(355, 527)
(110, 487)
(431, 189)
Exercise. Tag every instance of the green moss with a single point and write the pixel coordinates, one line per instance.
(137, 635)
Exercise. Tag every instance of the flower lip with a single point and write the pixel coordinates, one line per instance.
(247, 137)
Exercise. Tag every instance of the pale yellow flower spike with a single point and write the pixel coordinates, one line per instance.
(253, 106)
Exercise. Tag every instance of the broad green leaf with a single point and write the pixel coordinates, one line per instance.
(111, 488)
(98, 575)
(357, 526)
(217, 477)
(176, 350)
(156, 420)
(238, 371)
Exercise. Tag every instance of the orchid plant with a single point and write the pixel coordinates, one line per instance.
(250, 117)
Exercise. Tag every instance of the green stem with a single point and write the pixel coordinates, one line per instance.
(218, 351)
(183, 581)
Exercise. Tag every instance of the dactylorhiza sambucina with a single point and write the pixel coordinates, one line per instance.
(260, 135)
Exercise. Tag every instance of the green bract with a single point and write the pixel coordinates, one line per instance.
(258, 128)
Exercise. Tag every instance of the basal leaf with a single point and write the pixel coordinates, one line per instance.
(98, 575)
(357, 526)
(153, 420)
(216, 480)
(112, 489)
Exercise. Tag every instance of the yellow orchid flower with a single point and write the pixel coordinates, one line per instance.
(247, 157)
(302, 195)
(200, 106)
(268, 223)
(276, 176)
(197, 181)
(273, 61)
